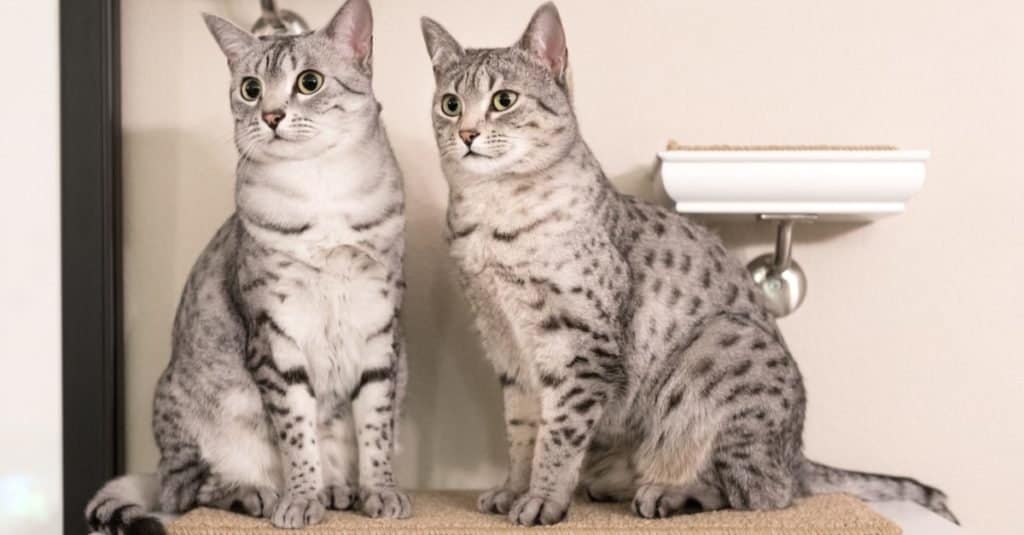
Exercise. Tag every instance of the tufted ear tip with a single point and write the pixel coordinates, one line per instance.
(544, 38)
(548, 7)
(351, 30)
(443, 49)
(430, 25)
(233, 41)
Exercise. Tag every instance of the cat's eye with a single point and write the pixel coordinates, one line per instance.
(504, 100)
(251, 89)
(309, 82)
(451, 105)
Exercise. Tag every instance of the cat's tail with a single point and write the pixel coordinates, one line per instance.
(127, 506)
(816, 478)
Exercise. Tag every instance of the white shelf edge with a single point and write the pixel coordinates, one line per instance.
(910, 155)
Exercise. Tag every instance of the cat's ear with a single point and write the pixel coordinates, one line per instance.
(233, 41)
(444, 50)
(544, 39)
(351, 32)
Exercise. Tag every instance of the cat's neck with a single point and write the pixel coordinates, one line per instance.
(577, 176)
(322, 195)
(577, 169)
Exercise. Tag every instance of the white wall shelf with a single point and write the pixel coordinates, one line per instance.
(832, 184)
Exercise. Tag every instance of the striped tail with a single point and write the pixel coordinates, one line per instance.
(126, 506)
(816, 478)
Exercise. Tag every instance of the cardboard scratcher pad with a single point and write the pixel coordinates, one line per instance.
(442, 513)
(674, 145)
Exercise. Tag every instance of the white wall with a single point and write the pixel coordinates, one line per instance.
(909, 336)
(30, 334)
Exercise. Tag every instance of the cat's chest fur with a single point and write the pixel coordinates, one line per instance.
(331, 280)
(513, 228)
(525, 250)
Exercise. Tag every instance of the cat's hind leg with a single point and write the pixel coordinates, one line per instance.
(257, 501)
(241, 467)
(663, 501)
(678, 439)
(608, 474)
(724, 423)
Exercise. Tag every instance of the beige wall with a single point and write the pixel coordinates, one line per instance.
(910, 335)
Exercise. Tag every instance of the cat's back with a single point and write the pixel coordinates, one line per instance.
(679, 264)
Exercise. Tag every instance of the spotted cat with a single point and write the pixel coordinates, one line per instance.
(636, 356)
(287, 369)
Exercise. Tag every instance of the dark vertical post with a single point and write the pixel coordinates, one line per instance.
(91, 250)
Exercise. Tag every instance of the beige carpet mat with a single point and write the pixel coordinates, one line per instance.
(675, 145)
(441, 513)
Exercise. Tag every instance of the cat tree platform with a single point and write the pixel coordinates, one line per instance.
(444, 513)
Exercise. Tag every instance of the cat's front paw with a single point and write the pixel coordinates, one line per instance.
(339, 497)
(497, 501)
(295, 511)
(532, 510)
(385, 503)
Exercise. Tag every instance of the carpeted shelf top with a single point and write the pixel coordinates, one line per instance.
(443, 513)
(673, 145)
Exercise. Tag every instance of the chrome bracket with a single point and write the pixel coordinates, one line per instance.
(781, 279)
(278, 22)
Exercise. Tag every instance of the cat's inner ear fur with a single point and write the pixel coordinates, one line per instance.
(233, 41)
(544, 39)
(444, 50)
(351, 32)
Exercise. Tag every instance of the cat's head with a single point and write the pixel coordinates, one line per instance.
(297, 97)
(502, 111)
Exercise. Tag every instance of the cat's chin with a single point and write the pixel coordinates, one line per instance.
(282, 149)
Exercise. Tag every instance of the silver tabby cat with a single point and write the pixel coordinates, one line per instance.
(636, 355)
(288, 368)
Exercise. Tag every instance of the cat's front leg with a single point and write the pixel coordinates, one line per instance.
(280, 370)
(579, 370)
(522, 418)
(375, 410)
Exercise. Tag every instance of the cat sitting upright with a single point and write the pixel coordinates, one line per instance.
(288, 367)
(635, 355)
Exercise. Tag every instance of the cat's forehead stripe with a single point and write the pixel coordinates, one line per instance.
(274, 56)
(481, 72)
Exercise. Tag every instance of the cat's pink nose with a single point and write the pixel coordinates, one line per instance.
(273, 118)
(468, 136)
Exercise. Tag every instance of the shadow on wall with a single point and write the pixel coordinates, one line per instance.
(182, 172)
(453, 430)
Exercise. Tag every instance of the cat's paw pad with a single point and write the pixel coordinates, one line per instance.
(497, 501)
(663, 501)
(295, 511)
(532, 510)
(339, 497)
(258, 502)
(385, 503)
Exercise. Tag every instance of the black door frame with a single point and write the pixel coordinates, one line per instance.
(93, 417)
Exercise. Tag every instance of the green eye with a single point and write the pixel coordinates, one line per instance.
(504, 100)
(310, 82)
(451, 105)
(251, 89)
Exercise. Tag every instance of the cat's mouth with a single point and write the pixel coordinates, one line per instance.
(471, 154)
